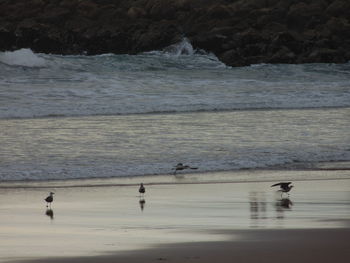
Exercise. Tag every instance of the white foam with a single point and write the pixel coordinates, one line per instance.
(160, 82)
(38, 172)
(183, 47)
(22, 57)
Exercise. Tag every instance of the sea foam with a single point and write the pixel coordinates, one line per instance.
(183, 47)
(22, 57)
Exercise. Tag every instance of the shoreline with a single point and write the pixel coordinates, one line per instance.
(106, 115)
(208, 177)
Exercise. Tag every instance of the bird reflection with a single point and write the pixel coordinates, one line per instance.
(49, 213)
(257, 201)
(142, 203)
(286, 203)
(281, 205)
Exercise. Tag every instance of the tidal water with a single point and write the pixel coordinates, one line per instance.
(71, 117)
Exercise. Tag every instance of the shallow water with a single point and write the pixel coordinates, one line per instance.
(107, 146)
(100, 220)
(66, 117)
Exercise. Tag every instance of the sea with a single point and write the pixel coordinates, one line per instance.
(112, 116)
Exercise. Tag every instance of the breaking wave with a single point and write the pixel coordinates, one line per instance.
(142, 88)
(22, 57)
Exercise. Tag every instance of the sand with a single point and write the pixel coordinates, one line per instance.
(179, 221)
(265, 246)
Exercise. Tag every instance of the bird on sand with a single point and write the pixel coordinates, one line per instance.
(49, 199)
(142, 189)
(180, 167)
(285, 187)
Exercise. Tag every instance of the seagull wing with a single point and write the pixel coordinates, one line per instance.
(282, 184)
(275, 184)
(285, 184)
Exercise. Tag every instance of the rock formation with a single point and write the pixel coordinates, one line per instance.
(239, 32)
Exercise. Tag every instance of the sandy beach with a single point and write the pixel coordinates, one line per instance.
(179, 220)
(207, 138)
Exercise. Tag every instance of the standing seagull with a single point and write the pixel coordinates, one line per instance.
(285, 187)
(49, 199)
(142, 190)
(180, 167)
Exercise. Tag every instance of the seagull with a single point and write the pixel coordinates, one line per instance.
(180, 167)
(142, 189)
(285, 186)
(49, 199)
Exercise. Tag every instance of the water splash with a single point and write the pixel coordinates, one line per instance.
(183, 47)
(22, 57)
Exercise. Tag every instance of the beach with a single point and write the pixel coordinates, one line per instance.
(91, 129)
(180, 219)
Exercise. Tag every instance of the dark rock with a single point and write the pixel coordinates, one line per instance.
(136, 12)
(68, 4)
(7, 38)
(288, 40)
(324, 54)
(233, 58)
(275, 27)
(300, 14)
(53, 15)
(283, 55)
(339, 8)
(78, 24)
(212, 42)
(156, 37)
(268, 16)
(339, 27)
(219, 12)
(160, 9)
(88, 9)
(239, 32)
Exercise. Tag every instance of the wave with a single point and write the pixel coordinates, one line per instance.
(39, 172)
(23, 58)
(184, 47)
(218, 109)
(176, 79)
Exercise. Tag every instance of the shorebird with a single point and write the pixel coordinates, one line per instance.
(180, 167)
(49, 199)
(285, 187)
(142, 190)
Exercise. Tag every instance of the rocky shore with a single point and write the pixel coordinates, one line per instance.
(238, 32)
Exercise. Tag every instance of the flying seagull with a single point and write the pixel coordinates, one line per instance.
(285, 187)
(49, 199)
(180, 167)
(142, 189)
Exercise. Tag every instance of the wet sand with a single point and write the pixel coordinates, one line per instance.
(176, 222)
(265, 246)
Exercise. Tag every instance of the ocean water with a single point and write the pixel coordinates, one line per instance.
(71, 117)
